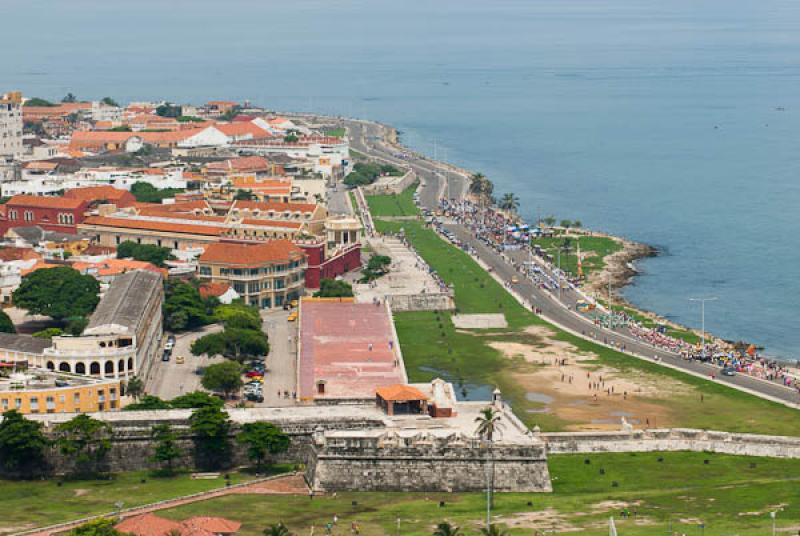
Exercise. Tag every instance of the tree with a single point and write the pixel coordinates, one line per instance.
(184, 307)
(238, 315)
(23, 446)
(144, 252)
(148, 403)
(121, 128)
(76, 325)
(144, 192)
(231, 113)
(69, 98)
(108, 101)
(243, 195)
(481, 187)
(446, 529)
(97, 527)
(488, 423)
(566, 224)
(278, 529)
(225, 377)
(262, 438)
(549, 220)
(166, 450)
(86, 440)
(48, 333)
(135, 387)
(233, 343)
(509, 202)
(331, 288)
(169, 110)
(577, 224)
(6, 325)
(290, 138)
(59, 293)
(194, 400)
(39, 102)
(211, 427)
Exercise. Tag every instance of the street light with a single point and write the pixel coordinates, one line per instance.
(772, 515)
(703, 321)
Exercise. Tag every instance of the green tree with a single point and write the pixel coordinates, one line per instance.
(244, 195)
(331, 288)
(196, 399)
(488, 423)
(85, 440)
(97, 527)
(169, 110)
(69, 98)
(225, 377)
(59, 293)
(108, 101)
(210, 427)
(549, 220)
(76, 325)
(121, 128)
(166, 450)
(39, 102)
(147, 403)
(6, 325)
(492, 530)
(23, 446)
(509, 202)
(144, 192)
(48, 333)
(278, 529)
(238, 315)
(184, 307)
(144, 252)
(261, 439)
(446, 529)
(290, 138)
(577, 224)
(233, 343)
(566, 224)
(135, 387)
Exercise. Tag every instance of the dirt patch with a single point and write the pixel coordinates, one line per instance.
(18, 528)
(80, 492)
(573, 385)
(548, 519)
(480, 321)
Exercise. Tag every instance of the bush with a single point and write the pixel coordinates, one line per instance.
(144, 252)
(331, 288)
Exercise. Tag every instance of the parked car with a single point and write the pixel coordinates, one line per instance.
(729, 371)
(165, 356)
(170, 345)
(179, 360)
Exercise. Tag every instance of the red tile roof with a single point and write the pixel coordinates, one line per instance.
(154, 225)
(272, 223)
(213, 289)
(216, 525)
(37, 201)
(274, 206)
(245, 163)
(242, 129)
(96, 193)
(251, 254)
(400, 393)
(18, 254)
(157, 209)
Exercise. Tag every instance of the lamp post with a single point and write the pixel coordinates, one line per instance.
(772, 515)
(703, 321)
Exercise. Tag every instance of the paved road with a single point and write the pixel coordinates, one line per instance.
(169, 379)
(338, 202)
(368, 138)
(281, 363)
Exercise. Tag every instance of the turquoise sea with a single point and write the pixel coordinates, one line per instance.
(674, 123)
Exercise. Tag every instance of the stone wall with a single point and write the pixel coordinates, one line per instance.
(390, 185)
(422, 302)
(675, 439)
(390, 462)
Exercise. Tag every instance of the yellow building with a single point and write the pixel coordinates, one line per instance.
(37, 391)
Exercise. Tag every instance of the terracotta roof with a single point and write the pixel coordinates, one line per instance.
(216, 525)
(147, 525)
(155, 209)
(242, 129)
(274, 206)
(41, 165)
(213, 289)
(154, 225)
(400, 393)
(250, 254)
(112, 267)
(17, 254)
(96, 249)
(39, 266)
(272, 223)
(45, 202)
(95, 193)
(245, 163)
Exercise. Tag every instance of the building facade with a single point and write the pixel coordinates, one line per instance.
(11, 125)
(265, 275)
(40, 392)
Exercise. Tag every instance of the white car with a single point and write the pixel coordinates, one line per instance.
(170, 345)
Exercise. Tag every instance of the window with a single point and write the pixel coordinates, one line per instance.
(51, 404)
(17, 403)
(266, 303)
(205, 270)
(112, 393)
(254, 287)
(77, 399)
(28, 215)
(239, 287)
(280, 283)
(12, 214)
(5, 404)
(34, 404)
(118, 240)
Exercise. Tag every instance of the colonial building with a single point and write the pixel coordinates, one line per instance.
(32, 392)
(265, 275)
(51, 213)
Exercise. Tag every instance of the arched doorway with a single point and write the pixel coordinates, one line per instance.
(64, 367)
(80, 368)
(94, 368)
(109, 368)
(50, 365)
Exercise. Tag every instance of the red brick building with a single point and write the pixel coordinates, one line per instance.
(51, 213)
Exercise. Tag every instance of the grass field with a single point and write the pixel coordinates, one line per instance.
(432, 347)
(729, 495)
(38, 503)
(593, 250)
(393, 205)
(336, 132)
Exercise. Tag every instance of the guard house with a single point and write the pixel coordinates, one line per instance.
(401, 399)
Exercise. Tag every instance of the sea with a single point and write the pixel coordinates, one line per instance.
(675, 123)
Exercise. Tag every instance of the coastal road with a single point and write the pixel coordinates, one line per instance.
(438, 180)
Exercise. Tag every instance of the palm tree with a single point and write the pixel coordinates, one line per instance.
(446, 529)
(277, 530)
(492, 530)
(476, 184)
(488, 423)
(509, 202)
(577, 224)
(549, 220)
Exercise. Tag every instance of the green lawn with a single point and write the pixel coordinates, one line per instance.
(728, 495)
(394, 205)
(594, 249)
(38, 503)
(335, 132)
(432, 347)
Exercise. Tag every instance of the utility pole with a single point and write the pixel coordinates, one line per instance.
(703, 322)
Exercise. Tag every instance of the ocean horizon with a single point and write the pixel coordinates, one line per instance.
(672, 124)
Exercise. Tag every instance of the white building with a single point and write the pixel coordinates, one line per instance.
(37, 183)
(11, 125)
(103, 112)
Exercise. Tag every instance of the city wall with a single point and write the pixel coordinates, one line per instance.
(390, 185)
